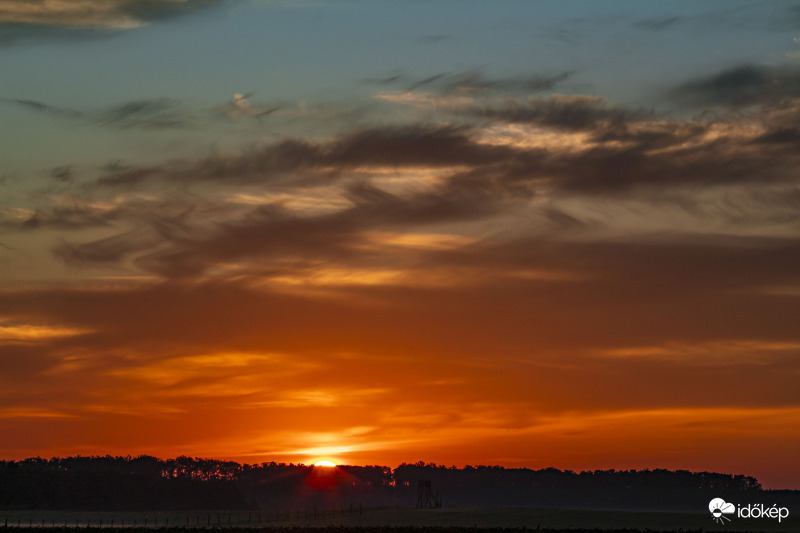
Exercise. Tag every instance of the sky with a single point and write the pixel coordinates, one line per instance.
(518, 233)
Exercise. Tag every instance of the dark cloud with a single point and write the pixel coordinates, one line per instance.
(411, 146)
(41, 107)
(384, 80)
(156, 113)
(475, 82)
(658, 23)
(173, 248)
(741, 86)
(781, 136)
(64, 173)
(127, 176)
(608, 170)
(564, 112)
(427, 81)
(153, 113)
(627, 150)
(117, 165)
(626, 154)
(109, 250)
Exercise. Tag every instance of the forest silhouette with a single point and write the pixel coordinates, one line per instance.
(147, 483)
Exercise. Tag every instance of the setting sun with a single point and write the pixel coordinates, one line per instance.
(326, 464)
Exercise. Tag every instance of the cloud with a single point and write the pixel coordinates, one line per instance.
(651, 215)
(114, 14)
(25, 21)
(314, 205)
(741, 86)
(781, 136)
(629, 149)
(270, 232)
(474, 82)
(621, 150)
(550, 329)
(74, 216)
(409, 146)
(11, 333)
(240, 106)
(561, 112)
(41, 107)
(658, 23)
(155, 113)
(63, 173)
(152, 113)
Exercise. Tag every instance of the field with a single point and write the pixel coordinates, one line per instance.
(393, 519)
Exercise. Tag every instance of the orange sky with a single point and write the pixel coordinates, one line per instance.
(474, 267)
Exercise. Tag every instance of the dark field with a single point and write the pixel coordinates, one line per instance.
(392, 520)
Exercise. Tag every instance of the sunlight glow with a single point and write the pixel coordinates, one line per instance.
(325, 464)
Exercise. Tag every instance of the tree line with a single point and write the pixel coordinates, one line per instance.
(185, 483)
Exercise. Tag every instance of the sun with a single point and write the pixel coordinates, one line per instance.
(325, 464)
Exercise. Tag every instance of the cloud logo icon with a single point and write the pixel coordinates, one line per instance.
(719, 508)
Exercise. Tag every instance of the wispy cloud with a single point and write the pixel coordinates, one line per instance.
(474, 82)
(116, 14)
(741, 86)
(154, 113)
